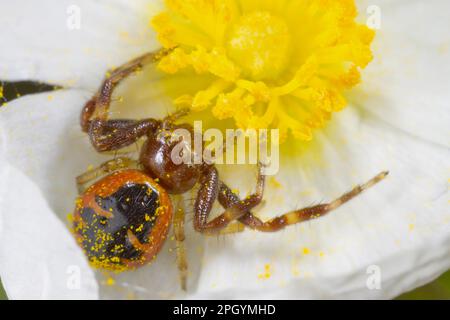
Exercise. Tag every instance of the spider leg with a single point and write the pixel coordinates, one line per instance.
(171, 118)
(104, 169)
(109, 135)
(113, 135)
(232, 228)
(178, 223)
(98, 106)
(208, 194)
(228, 198)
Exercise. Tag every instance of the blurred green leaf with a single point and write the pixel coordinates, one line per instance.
(2, 292)
(437, 290)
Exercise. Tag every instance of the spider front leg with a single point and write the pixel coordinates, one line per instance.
(98, 106)
(111, 135)
(208, 194)
(104, 169)
(227, 198)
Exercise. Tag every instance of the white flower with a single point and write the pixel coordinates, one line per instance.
(398, 119)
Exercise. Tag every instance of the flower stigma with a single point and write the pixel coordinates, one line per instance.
(259, 43)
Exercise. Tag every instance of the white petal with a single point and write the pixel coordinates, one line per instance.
(401, 225)
(42, 138)
(39, 258)
(40, 44)
(407, 83)
(393, 226)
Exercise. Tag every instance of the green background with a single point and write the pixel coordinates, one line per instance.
(440, 289)
(2, 292)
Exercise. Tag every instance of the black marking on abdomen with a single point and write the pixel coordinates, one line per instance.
(134, 208)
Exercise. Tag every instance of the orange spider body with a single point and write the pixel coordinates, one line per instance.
(122, 221)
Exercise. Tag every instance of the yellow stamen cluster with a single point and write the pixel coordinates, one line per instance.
(273, 63)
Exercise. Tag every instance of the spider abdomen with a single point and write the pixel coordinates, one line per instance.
(122, 221)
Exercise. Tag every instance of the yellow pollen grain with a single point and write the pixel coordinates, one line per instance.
(110, 282)
(267, 273)
(275, 183)
(306, 251)
(411, 227)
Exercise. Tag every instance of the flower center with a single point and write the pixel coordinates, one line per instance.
(251, 61)
(259, 43)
